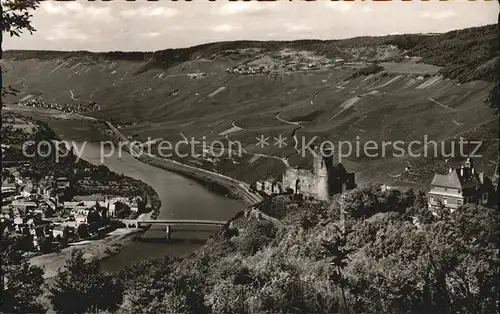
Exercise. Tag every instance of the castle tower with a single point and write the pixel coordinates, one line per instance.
(319, 164)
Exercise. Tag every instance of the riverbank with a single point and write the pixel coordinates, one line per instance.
(100, 249)
(95, 249)
(215, 182)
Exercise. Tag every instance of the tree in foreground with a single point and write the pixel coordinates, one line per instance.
(447, 266)
(156, 287)
(22, 282)
(83, 287)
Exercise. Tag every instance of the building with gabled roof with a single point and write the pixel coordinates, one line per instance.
(458, 187)
(322, 179)
(62, 183)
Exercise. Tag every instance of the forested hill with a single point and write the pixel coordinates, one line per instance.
(465, 55)
(423, 84)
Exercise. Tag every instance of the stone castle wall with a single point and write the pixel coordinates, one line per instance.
(310, 183)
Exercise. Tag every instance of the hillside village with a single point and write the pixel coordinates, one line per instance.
(380, 233)
(347, 90)
(340, 89)
(327, 177)
(53, 204)
(290, 61)
(39, 102)
(463, 186)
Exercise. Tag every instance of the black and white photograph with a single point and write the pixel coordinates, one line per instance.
(217, 157)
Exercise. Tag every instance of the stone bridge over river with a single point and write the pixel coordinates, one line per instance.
(168, 223)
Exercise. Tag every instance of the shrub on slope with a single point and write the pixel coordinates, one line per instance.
(383, 262)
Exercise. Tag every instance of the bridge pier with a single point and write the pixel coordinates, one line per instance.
(167, 231)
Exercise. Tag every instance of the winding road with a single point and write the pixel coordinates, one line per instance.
(23, 80)
(294, 133)
(250, 196)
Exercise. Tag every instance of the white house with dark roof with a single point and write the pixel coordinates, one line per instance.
(458, 187)
(269, 186)
(134, 207)
(259, 185)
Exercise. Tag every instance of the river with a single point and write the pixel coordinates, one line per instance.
(180, 198)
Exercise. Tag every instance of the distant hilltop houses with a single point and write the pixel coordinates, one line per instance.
(461, 186)
(80, 208)
(248, 70)
(322, 179)
(196, 75)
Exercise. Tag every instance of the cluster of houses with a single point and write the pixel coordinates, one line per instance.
(5, 147)
(36, 208)
(174, 92)
(124, 125)
(23, 208)
(304, 65)
(292, 65)
(23, 198)
(295, 66)
(39, 102)
(37, 229)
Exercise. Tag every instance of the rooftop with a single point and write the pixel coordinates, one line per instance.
(95, 197)
(460, 178)
(8, 186)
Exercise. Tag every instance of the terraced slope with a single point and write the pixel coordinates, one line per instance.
(404, 101)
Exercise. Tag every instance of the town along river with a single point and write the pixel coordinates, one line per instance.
(181, 198)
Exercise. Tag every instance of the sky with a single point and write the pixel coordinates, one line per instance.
(149, 26)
